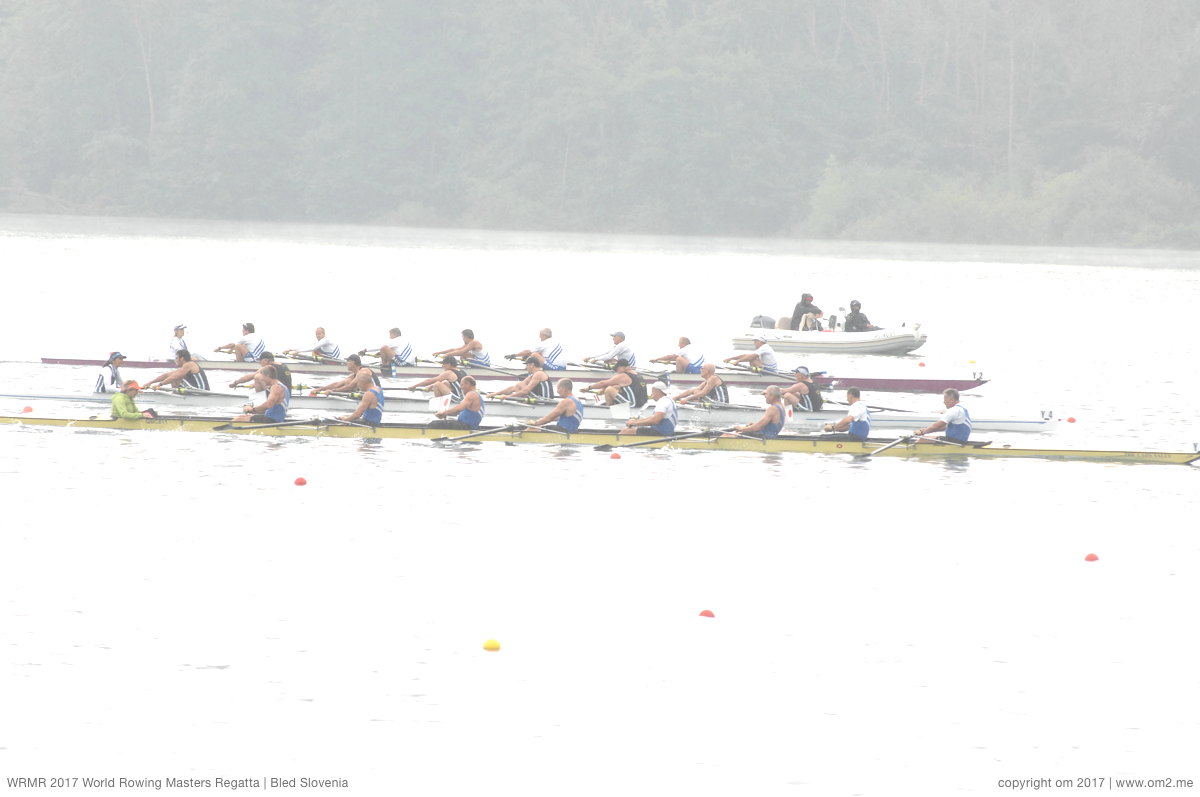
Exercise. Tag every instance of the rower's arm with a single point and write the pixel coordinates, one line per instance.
(760, 423)
(554, 414)
(936, 426)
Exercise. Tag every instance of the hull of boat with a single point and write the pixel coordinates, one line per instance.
(611, 439)
(882, 341)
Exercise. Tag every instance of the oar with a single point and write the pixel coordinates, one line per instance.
(495, 430)
(463, 361)
(340, 422)
(671, 439)
(869, 406)
(543, 429)
(896, 442)
(224, 426)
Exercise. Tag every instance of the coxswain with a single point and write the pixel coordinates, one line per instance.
(536, 385)
(772, 420)
(109, 378)
(468, 411)
(803, 308)
(267, 358)
(856, 321)
(447, 383)
(369, 409)
(857, 423)
(567, 414)
(471, 352)
(763, 357)
(688, 360)
(188, 374)
(547, 350)
(660, 422)
(620, 351)
(123, 405)
(324, 350)
(248, 347)
(361, 378)
(177, 341)
(273, 409)
(626, 386)
(713, 388)
(804, 395)
(955, 420)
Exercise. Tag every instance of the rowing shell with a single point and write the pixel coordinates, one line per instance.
(731, 377)
(702, 414)
(781, 444)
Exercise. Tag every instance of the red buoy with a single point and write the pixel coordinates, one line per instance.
(615, 455)
(301, 481)
(1091, 558)
(707, 613)
(922, 365)
(1070, 420)
(27, 409)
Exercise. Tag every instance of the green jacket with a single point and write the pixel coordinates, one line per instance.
(123, 407)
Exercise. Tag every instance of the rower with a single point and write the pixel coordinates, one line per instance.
(662, 421)
(803, 308)
(471, 351)
(626, 386)
(177, 342)
(771, 423)
(620, 351)
(396, 353)
(265, 359)
(361, 378)
(468, 411)
(447, 383)
(567, 414)
(536, 384)
(857, 423)
(547, 350)
(123, 406)
(688, 360)
(248, 347)
(324, 350)
(763, 356)
(804, 395)
(369, 409)
(109, 378)
(955, 420)
(856, 321)
(274, 408)
(188, 374)
(713, 388)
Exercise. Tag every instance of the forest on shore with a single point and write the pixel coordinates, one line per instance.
(1071, 122)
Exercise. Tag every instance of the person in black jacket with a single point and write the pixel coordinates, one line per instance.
(804, 307)
(856, 321)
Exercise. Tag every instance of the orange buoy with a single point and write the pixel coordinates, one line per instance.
(301, 481)
(615, 455)
(1091, 558)
(27, 409)
(707, 613)
(921, 365)
(1070, 420)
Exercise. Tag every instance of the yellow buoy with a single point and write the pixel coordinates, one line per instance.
(491, 645)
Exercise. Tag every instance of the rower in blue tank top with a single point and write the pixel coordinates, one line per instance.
(955, 420)
(857, 423)
(567, 414)
(773, 418)
(662, 421)
(468, 412)
(274, 408)
(369, 409)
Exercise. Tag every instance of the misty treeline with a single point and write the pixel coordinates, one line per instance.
(1026, 121)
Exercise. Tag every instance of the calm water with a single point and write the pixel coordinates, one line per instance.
(172, 605)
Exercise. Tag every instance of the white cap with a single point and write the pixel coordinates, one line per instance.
(661, 386)
(761, 338)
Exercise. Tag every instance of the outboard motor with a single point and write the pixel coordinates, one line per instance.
(762, 322)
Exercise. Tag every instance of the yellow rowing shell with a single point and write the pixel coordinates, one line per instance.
(781, 444)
